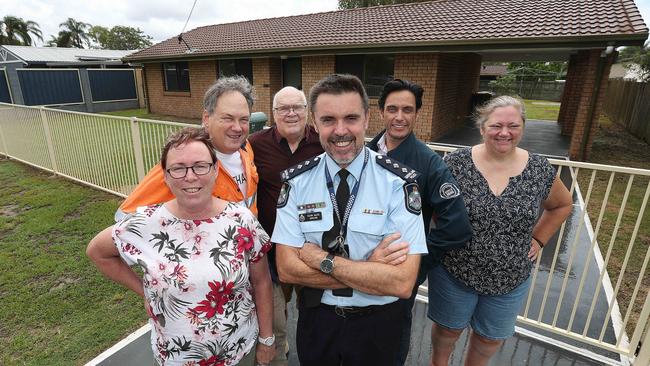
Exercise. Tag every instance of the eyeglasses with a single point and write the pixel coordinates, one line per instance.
(513, 127)
(181, 171)
(284, 110)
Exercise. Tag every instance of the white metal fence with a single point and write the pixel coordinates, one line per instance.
(587, 302)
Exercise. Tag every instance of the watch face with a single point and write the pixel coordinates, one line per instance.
(327, 265)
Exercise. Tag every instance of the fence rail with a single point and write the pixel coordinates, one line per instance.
(628, 104)
(594, 304)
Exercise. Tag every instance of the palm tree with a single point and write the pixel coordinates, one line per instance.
(62, 40)
(73, 34)
(16, 31)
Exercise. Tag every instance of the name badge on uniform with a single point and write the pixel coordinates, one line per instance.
(310, 216)
(372, 212)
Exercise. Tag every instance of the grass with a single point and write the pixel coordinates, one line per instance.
(541, 109)
(56, 307)
(142, 113)
(614, 146)
(58, 310)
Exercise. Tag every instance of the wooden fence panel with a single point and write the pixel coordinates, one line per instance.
(628, 103)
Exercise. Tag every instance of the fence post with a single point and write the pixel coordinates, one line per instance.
(643, 357)
(137, 148)
(48, 139)
(4, 143)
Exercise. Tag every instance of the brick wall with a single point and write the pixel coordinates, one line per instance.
(315, 68)
(267, 81)
(584, 123)
(180, 104)
(448, 79)
(458, 80)
(571, 95)
(421, 69)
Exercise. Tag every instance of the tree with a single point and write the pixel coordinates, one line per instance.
(637, 59)
(16, 31)
(351, 4)
(73, 34)
(98, 35)
(119, 38)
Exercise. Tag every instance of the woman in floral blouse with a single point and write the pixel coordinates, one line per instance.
(206, 283)
(483, 284)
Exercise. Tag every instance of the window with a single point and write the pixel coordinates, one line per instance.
(177, 76)
(373, 70)
(241, 66)
(292, 72)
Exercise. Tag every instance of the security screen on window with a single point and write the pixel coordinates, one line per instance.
(373, 70)
(177, 76)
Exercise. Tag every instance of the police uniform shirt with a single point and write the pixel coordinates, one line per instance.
(384, 205)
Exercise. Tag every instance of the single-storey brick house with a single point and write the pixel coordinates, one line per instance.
(438, 44)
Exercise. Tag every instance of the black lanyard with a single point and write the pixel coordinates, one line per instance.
(348, 208)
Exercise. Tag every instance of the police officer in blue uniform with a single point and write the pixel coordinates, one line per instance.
(334, 211)
(446, 222)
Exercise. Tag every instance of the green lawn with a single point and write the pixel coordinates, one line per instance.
(614, 146)
(541, 109)
(142, 113)
(56, 308)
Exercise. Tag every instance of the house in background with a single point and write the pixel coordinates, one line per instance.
(85, 80)
(627, 71)
(491, 73)
(439, 44)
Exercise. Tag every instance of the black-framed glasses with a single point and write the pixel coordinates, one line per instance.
(179, 172)
(284, 110)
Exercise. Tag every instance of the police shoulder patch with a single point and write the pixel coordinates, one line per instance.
(397, 168)
(299, 168)
(283, 198)
(449, 190)
(412, 198)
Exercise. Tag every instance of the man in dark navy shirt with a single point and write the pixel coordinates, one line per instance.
(445, 218)
(288, 142)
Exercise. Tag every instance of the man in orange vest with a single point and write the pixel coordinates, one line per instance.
(227, 106)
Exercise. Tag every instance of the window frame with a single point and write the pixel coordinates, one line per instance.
(242, 67)
(181, 68)
(358, 64)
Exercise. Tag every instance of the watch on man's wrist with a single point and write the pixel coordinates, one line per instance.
(327, 264)
(268, 341)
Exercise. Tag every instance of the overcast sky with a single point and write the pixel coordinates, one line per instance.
(163, 19)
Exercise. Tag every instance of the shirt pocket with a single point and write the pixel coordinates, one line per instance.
(313, 230)
(368, 224)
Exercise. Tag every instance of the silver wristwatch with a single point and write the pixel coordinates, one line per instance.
(268, 341)
(327, 264)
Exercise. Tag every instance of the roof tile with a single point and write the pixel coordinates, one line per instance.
(428, 23)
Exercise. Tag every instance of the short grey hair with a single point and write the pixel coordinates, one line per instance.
(275, 97)
(227, 84)
(484, 111)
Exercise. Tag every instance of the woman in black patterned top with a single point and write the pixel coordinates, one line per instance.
(483, 284)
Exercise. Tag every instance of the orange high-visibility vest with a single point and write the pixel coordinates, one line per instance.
(153, 189)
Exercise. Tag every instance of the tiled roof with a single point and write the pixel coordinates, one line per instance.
(61, 54)
(442, 22)
(497, 70)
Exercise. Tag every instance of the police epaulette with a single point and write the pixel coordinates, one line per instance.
(300, 168)
(397, 168)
